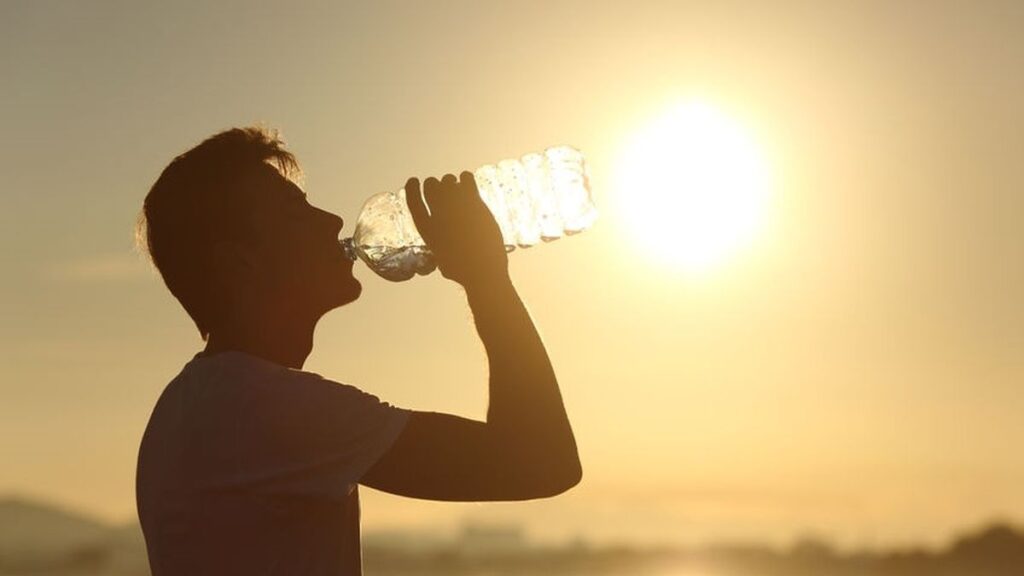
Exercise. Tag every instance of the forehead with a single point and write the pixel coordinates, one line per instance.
(265, 195)
(267, 186)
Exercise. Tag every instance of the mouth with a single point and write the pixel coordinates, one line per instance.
(348, 249)
(344, 259)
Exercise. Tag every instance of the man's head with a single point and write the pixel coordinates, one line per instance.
(231, 233)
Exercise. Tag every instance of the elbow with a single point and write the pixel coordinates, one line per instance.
(533, 474)
(568, 475)
(572, 477)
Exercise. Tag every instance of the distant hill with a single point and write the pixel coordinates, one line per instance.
(37, 538)
(36, 528)
(998, 549)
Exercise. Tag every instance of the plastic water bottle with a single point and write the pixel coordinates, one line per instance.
(537, 198)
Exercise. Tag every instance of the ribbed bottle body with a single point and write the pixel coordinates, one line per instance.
(539, 197)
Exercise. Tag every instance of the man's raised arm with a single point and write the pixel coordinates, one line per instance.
(526, 449)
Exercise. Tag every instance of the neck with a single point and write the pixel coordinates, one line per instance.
(287, 342)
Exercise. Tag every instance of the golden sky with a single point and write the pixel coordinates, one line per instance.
(855, 372)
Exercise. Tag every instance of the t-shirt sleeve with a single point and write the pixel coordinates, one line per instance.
(296, 433)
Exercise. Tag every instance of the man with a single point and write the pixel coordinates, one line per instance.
(250, 465)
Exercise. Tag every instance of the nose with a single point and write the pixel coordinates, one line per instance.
(334, 222)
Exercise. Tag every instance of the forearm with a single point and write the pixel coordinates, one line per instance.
(525, 402)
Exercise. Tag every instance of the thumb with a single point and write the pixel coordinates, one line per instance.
(418, 210)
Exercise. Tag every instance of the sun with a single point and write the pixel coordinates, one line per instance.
(693, 187)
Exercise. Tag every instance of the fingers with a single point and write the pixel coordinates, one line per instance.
(432, 193)
(468, 183)
(445, 196)
(417, 209)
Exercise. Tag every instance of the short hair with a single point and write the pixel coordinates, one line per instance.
(196, 202)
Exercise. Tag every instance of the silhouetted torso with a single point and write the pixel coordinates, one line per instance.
(248, 467)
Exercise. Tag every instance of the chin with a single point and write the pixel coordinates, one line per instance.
(331, 293)
(350, 292)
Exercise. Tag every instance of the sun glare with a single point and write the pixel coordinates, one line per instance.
(693, 187)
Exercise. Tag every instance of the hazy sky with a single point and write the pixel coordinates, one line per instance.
(855, 373)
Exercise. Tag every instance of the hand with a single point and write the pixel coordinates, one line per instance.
(459, 229)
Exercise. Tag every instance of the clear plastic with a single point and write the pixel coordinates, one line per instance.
(539, 197)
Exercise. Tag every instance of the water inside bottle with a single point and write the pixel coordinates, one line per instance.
(398, 264)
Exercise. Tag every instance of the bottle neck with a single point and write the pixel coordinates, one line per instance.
(349, 246)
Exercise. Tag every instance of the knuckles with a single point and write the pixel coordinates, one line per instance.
(449, 183)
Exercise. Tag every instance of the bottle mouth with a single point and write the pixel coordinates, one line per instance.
(349, 247)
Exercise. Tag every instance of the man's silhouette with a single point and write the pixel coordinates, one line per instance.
(250, 465)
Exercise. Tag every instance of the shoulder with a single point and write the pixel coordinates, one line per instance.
(233, 368)
(254, 380)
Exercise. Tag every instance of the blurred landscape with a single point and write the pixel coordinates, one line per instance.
(38, 538)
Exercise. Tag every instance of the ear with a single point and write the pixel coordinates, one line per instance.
(232, 260)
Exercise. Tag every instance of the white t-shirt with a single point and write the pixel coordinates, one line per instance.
(251, 468)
